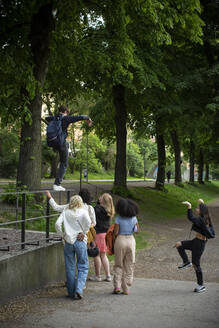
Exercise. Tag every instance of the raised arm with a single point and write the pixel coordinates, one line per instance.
(190, 215)
(55, 206)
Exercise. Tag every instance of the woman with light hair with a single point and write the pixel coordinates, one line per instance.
(104, 211)
(76, 223)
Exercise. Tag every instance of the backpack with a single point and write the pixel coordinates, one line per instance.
(110, 239)
(209, 231)
(54, 133)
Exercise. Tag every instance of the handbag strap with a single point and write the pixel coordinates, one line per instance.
(81, 226)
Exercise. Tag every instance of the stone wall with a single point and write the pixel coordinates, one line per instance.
(30, 270)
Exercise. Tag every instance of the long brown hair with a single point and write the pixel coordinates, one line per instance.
(204, 213)
(107, 203)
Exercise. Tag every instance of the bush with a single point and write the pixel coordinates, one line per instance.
(8, 153)
(10, 196)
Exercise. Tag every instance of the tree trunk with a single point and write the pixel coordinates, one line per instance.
(192, 162)
(200, 167)
(160, 181)
(207, 172)
(29, 167)
(176, 147)
(121, 135)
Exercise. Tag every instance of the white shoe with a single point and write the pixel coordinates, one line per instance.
(185, 265)
(95, 278)
(199, 289)
(58, 188)
(108, 278)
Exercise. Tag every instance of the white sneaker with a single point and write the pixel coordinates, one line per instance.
(58, 188)
(199, 289)
(185, 265)
(95, 278)
(108, 278)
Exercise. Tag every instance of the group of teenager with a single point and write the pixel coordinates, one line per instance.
(73, 224)
(78, 216)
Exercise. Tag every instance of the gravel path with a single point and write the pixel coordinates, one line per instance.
(161, 260)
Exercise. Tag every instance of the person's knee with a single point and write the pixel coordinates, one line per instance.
(178, 244)
(102, 255)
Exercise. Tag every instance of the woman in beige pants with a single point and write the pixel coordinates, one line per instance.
(126, 224)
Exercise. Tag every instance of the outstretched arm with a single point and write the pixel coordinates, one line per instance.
(190, 215)
(73, 119)
(55, 206)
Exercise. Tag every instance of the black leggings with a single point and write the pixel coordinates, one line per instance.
(196, 246)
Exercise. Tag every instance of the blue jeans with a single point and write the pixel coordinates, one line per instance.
(78, 249)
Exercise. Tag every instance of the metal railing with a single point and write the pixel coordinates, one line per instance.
(21, 219)
(24, 220)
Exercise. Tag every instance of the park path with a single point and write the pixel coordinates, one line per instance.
(161, 260)
(161, 296)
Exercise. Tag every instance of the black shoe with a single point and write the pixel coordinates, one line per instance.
(185, 265)
(78, 296)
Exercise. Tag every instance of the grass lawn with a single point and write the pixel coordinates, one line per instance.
(158, 205)
(162, 206)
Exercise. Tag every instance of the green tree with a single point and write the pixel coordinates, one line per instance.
(9, 150)
(135, 163)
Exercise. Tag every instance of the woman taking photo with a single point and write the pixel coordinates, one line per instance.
(196, 245)
(126, 224)
(104, 211)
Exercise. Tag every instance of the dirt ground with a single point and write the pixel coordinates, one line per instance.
(159, 262)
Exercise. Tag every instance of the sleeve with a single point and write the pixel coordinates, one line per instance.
(56, 207)
(193, 219)
(58, 224)
(92, 215)
(117, 220)
(73, 119)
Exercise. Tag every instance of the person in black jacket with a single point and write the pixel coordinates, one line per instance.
(196, 245)
(63, 150)
(104, 211)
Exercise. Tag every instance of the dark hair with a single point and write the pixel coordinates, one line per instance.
(126, 208)
(85, 195)
(63, 109)
(204, 213)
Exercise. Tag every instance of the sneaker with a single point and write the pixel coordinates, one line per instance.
(199, 289)
(116, 291)
(58, 188)
(78, 296)
(185, 265)
(108, 278)
(125, 293)
(95, 278)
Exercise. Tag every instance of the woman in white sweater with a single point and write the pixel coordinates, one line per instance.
(76, 222)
